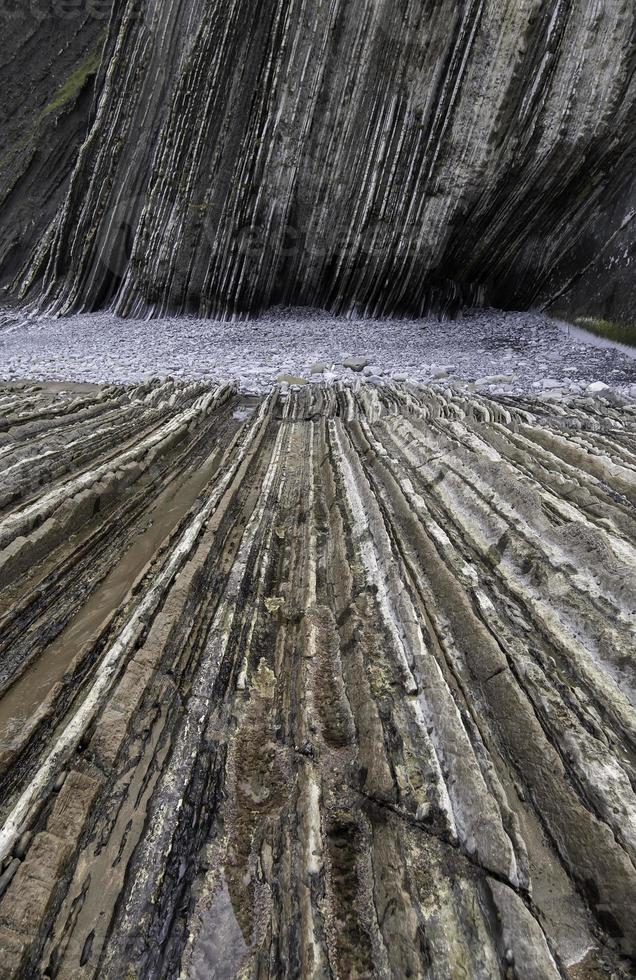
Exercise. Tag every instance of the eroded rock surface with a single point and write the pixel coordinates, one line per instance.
(50, 53)
(377, 156)
(339, 683)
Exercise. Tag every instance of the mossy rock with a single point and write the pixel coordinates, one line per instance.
(624, 333)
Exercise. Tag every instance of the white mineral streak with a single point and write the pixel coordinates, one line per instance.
(364, 157)
(366, 691)
(112, 658)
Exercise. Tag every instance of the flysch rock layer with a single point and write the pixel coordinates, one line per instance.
(382, 156)
(50, 56)
(337, 682)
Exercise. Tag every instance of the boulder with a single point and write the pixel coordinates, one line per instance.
(356, 363)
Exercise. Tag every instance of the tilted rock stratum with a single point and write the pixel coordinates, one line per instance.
(338, 684)
(377, 156)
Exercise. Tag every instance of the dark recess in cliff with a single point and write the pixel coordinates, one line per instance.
(378, 157)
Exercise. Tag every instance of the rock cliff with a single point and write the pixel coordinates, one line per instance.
(49, 56)
(378, 156)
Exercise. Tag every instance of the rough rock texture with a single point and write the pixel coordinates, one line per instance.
(333, 685)
(383, 156)
(50, 52)
(604, 285)
(513, 353)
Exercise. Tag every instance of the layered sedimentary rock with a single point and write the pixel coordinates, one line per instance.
(50, 52)
(371, 156)
(334, 684)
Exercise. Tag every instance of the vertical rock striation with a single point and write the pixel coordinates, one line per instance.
(50, 51)
(381, 157)
(333, 684)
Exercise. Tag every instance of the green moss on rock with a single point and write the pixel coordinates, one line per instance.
(75, 82)
(624, 333)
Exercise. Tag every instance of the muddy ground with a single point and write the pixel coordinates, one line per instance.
(335, 682)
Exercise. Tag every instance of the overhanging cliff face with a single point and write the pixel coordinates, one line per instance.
(371, 156)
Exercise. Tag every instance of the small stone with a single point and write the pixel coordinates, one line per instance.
(318, 368)
(356, 363)
(614, 397)
(597, 386)
(59, 782)
(549, 383)
(21, 847)
(496, 379)
(7, 876)
(274, 604)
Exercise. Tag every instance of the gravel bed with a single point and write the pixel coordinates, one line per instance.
(500, 352)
